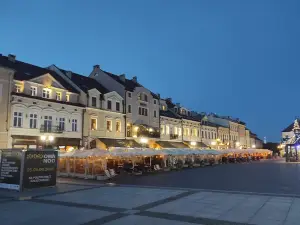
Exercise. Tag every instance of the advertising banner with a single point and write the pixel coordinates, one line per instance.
(39, 169)
(10, 169)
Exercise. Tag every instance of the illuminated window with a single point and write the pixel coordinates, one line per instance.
(195, 132)
(109, 125)
(179, 132)
(18, 88)
(167, 129)
(46, 93)
(58, 96)
(175, 130)
(67, 98)
(94, 124)
(163, 107)
(118, 126)
(162, 129)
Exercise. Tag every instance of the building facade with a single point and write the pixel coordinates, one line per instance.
(57, 108)
(141, 106)
(44, 110)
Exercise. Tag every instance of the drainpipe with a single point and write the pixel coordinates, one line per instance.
(125, 116)
(82, 126)
(8, 105)
(182, 130)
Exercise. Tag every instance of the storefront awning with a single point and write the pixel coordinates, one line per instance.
(169, 144)
(119, 143)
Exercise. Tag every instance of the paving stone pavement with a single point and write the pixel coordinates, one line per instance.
(121, 205)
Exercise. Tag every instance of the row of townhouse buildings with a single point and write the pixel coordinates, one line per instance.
(43, 107)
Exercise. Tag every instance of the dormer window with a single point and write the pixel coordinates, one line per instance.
(58, 96)
(46, 93)
(164, 107)
(18, 88)
(33, 91)
(94, 101)
(67, 98)
(145, 98)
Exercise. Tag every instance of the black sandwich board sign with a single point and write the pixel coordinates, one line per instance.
(10, 169)
(21, 169)
(39, 169)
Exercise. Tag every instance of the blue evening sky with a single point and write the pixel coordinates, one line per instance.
(233, 57)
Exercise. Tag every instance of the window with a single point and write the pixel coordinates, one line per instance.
(167, 129)
(129, 95)
(18, 88)
(67, 98)
(162, 129)
(108, 104)
(118, 106)
(145, 98)
(129, 109)
(164, 107)
(208, 135)
(118, 126)
(154, 101)
(195, 132)
(61, 124)
(185, 131)
(143, 111)
(58, 96)
(18, 119)
(33, 91)
(175, 130)
(109, 125)
(46, 93)
(94, 101)
(33, 121)
(139, 96)
(47, 123)
(94, 124)
(179, 132)
(154, 113)
(74, 125)
(205, 135)
(202, 134)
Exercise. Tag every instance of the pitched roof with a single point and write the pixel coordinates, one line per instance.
(169, 113)
(86, 83)
(129, 85)
(26, 71)
(290, 127)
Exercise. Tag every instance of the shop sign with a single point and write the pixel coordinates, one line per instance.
(39, 169)
(10, 169)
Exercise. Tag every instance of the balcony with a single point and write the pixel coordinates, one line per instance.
(149, 134)
(173, 136)
(51, 129)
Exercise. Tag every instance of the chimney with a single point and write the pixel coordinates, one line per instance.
(96, 67)
(134, 79)
(11, 58)
(122, 77)
(69, 74)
